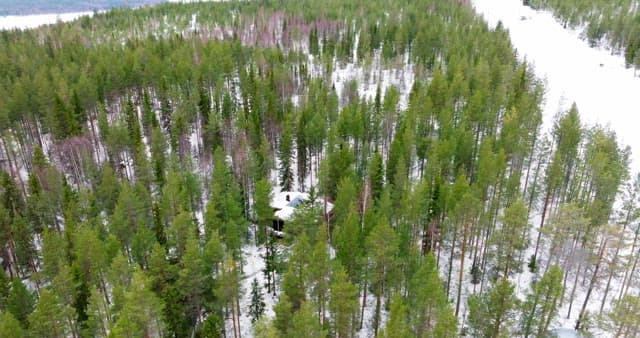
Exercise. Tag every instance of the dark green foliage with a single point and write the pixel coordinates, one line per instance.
(285, 154)
(542, 304)
(256, 308)
(133, 125)
(262, 210)
(492, 312)
(10, 327)
(20, 302)
(437, 171)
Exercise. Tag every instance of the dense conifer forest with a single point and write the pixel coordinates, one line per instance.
(140, 151)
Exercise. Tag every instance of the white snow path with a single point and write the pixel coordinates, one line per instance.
(605, 91)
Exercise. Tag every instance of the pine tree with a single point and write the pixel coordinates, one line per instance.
(429, 308)
(542, 304)
(305, 323)
(346, 200)
(264, 328)
(511, 240)
(68, 294)
(285, 154)
(20, 302)
(78, 115)
(48, 320)
(25, 250)
(622, 320)
(283, 311)
(397, 326)
(382, 250)
(491, 313)
(257, 306)
(229, 292)
(347, 242)
(226, 196)
(149, 119)
(99, 315)
(263, 210)
(5, 289)
(141, 313)
(318, 274)
(294, 283)
(61, 119)
(10, 326)
(190, 281)
(272, 264)
(158, 157)
(343, 303)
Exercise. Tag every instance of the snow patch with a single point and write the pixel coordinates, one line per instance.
(599, 82)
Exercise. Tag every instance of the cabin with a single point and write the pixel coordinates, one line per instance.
(284, 203)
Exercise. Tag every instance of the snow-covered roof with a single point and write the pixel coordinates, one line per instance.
(286, 203)
(291, 199)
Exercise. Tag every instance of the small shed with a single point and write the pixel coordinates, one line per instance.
(284, 203)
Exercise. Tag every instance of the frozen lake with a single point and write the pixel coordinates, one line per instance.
(598, 82)
(32, 21)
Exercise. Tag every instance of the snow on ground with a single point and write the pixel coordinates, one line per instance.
(369, 77)
(597, 81)
(603, 88)
(566, 333)
(33, 21)
(253, 268)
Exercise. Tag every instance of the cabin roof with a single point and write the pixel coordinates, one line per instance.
(286, 202)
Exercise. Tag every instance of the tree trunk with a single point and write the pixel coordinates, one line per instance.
(376, 319)
(594, 278)
(364, 303)
(542, 217)
(631, 273)
(237, 310)
(461, 274)
(573, 290)
(453, 250)
(607, 288)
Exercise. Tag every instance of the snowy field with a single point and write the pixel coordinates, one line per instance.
(600, 84)
(32, 21)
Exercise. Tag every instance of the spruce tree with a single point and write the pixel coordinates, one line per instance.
(257, 306)
(285, 154)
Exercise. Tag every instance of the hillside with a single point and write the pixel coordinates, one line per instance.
(140, 151)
